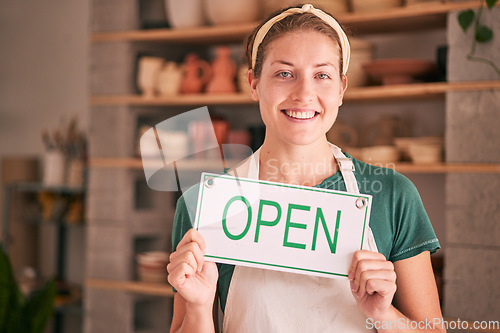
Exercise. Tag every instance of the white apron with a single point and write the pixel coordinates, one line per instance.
(261, 300)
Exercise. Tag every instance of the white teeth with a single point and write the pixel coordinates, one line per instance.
(300, 114)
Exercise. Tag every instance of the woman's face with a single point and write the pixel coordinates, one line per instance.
(299, 89)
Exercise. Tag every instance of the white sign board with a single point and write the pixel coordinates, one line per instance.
(279, 226)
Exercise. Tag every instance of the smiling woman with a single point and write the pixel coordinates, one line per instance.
(297, 62)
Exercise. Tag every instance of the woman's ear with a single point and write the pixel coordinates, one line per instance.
(343, 87)
(252, 82)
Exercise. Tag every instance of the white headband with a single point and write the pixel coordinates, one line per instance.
(344, 42)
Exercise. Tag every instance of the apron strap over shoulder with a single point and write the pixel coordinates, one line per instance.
(347, 169)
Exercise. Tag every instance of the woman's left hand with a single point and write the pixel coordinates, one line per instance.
(373, 282)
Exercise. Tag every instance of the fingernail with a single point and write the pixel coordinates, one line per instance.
(350, 275)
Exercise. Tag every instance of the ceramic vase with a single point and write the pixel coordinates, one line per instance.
(185, 13)
(169, 79)
(147, 75)
(223, 72)
(196, 73)
(54, 168)
(234, 11)
(361, 52)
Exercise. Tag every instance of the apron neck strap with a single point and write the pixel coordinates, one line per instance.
(346, 168)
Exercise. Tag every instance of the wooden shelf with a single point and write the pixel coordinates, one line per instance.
(392, 92)
(199, 35)
(408, 18)
(207, 165)
(155, 289)
(179, 100)
(416, 90)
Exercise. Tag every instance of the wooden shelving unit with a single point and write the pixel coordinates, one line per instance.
(156, 289)
(403, 167)
(425, 16)
(362, 94)
(411, 18)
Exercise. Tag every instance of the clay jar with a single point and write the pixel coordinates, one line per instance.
(185, 13)
(196, 73)
(169, 79)
(231, 12)
(147, 75)
(223, 72)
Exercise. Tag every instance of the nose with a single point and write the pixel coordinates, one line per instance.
(303, 90)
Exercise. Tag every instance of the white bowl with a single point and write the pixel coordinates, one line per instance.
(426, 153)
(404, 144)
(380, 154)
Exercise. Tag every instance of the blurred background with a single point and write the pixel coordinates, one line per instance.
(82, 81)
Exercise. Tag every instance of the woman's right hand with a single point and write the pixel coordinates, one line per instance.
(193, 278)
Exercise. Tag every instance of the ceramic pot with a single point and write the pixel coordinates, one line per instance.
(54, 168)
(373, 5)
(196, 73)
(234, 11)
(223, 71)
(169, 79)
(185, 13)
(362, 51)
(147, 75)
(380, 154)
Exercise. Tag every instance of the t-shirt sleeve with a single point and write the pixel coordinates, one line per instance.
(413, 229)
(184, 214)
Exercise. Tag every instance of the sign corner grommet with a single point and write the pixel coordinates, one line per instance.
(361, 202)
(209, 182)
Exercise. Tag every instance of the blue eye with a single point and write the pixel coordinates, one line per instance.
(323, 76)
(284, 74)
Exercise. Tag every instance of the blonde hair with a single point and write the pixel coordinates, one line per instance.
(302, 21)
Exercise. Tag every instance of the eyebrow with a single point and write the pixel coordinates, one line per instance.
(283, 62)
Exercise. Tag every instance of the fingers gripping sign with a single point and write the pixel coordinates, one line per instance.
(192, 277)
(373, 282)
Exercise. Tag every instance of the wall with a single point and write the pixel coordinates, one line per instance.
(43, 77)
(472, 287)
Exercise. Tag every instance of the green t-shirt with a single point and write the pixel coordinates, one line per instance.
(398, 220)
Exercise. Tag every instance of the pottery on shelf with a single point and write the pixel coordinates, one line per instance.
(223, 70)
(185, 13)
(425, 149)
(228, 12)
(398, 71)
(362, 51)
(196, 73)
(169, 79)
(380, 154)
(374, 5)
(147, 75)
(151, 266)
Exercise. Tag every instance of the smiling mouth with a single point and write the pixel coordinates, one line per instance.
(309, 114)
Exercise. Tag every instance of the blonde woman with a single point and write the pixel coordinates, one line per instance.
(298, 60)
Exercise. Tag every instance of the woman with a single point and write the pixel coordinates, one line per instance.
(298, 60)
